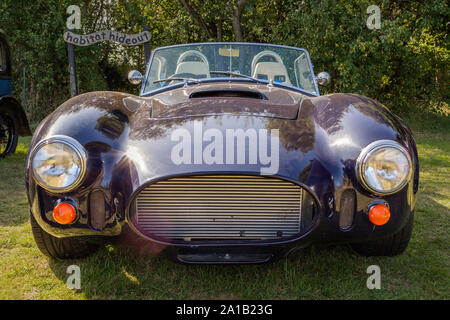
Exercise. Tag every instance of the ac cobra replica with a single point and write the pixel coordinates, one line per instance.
(228, 155)
(13, 121)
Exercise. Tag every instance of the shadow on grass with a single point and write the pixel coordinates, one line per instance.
(126, 273)
(429, 121)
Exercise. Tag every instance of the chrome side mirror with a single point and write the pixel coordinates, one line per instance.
(135, 77)
(323, 78)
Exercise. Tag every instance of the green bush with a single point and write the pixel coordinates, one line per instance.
(402, 64)
(35, 30)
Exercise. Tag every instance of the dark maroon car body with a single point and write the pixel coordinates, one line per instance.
(309, 127)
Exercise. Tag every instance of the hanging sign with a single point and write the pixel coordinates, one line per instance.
(107, 35)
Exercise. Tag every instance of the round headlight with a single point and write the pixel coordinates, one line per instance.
(384, 167)
(59, 163)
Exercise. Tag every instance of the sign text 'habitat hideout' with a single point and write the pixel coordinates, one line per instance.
(106, 35)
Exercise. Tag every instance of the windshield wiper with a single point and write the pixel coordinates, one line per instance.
(229, 73)
(235, 74)
(177, 79)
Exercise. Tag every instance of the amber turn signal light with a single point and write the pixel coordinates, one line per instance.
(64, 213)
(379, 214)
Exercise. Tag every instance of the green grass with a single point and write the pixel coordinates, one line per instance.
(317, 272)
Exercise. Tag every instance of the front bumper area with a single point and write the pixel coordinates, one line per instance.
(327, 226)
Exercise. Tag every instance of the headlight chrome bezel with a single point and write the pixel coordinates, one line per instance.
(368, 151)
(75, 146)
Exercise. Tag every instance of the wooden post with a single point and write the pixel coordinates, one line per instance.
(25, 89)
(146, 49)
(72, 70)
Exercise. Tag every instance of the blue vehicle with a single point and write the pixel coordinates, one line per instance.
(13, 121)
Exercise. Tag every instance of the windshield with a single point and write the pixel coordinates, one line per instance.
(196, 62)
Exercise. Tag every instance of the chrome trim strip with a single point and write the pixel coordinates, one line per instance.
(367, 151)
(79, 150)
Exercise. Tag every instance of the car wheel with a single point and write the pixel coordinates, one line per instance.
(64, 248)
(390, 246)
(8, 135)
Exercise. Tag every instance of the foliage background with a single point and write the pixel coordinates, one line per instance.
(404, 65)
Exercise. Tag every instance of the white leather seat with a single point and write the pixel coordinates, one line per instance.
(157, 70)
(303, 73)
(274, 71)
(194, 67)
(200, 68)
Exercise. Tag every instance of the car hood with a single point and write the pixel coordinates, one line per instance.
(327, 134)
(228, 98)
(129, 147)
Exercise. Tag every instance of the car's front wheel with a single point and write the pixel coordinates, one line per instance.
(390, 246)
(8, 135)
(64, 248)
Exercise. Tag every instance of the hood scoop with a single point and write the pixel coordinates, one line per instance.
(225, 93)
(232, 100)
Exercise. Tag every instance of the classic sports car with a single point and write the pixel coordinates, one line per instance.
(229, 155)
(13, 121)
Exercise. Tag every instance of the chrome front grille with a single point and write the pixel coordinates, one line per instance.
(220, 207)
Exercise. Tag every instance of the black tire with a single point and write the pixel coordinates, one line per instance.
(65, 248)
(390, 246)
(8, 135)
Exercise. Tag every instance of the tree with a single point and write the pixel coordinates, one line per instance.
(210, 16)
(237, 14)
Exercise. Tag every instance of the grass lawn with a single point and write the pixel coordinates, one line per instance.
(318, 272)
